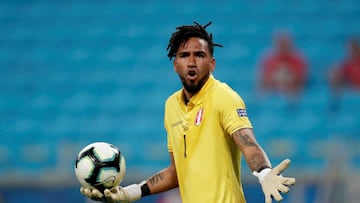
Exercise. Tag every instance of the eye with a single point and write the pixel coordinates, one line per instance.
(200, 54)
(183, 55)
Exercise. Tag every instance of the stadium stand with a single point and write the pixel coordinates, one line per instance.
(75, 72)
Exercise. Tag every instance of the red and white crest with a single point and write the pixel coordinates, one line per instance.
(199, 116)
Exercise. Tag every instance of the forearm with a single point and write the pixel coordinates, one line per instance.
(256, 158)
(162, 181)
(254, 155)
(271, 182)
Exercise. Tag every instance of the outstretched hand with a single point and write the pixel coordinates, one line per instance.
(272, 182)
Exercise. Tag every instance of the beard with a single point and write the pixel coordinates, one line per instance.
(193, 86)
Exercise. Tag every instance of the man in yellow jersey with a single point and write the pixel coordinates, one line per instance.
(208, 132)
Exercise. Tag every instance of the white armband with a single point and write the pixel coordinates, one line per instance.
(134, 192)
(261, 175)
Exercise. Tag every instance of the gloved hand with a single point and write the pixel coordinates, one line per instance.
(92, 193)
(116, 194)
(272, 182)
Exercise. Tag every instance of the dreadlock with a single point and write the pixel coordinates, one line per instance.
(185, 32)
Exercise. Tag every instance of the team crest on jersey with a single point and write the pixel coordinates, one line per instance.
(199, 116)
(241, 112)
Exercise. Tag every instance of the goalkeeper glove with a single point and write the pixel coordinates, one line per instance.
(272, 183)
(117, 194)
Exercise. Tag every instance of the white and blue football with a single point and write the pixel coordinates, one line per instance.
(100, 165)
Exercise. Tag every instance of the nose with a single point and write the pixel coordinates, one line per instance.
(192, 60)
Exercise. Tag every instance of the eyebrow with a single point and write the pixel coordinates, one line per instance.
(196, 52)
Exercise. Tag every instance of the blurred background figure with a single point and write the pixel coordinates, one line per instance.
(283, 68)
(346, 74)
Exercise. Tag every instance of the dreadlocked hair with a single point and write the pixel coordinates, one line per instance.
(185, 32)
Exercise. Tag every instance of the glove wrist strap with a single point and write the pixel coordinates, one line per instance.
(145, 190)
(133, 191)
(261, 175)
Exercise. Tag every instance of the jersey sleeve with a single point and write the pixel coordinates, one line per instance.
(232, 112)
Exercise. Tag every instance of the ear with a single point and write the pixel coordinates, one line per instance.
(212, 64)
(175, 66)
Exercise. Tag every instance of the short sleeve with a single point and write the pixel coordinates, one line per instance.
(232, 111)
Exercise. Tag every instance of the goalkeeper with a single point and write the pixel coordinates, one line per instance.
(208, 131)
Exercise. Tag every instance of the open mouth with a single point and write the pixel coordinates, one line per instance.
(191, 75)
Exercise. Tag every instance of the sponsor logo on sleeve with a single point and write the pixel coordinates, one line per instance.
(241, 112)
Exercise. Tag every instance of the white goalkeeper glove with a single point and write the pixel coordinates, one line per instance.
(116, 194)
(272, 182)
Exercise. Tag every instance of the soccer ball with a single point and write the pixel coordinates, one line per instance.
(100, 165)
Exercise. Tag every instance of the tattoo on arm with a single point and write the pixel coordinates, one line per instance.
(257, 162)
(254, 154)
(156, 178)
(245, 139)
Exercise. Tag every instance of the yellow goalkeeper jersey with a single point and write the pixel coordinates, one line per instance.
(207, 159)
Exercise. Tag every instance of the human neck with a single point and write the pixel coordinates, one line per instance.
(187, 96)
